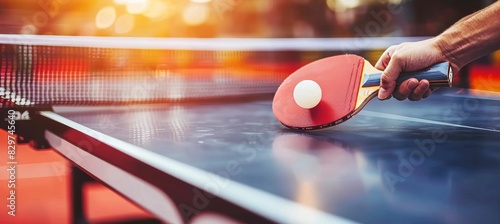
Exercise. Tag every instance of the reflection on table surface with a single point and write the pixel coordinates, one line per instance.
(432, 161)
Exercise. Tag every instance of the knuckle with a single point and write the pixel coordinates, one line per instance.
(385, 78)
(392, 48)
(399, 96)
(404, 90)
(423, 89)
(404, 44)
(425, 84)
(396, 56)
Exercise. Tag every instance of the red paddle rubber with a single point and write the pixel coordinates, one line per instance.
(339, 78)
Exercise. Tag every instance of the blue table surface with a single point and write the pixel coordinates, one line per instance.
(433, 161)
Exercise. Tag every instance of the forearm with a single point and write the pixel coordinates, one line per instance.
(472, 37)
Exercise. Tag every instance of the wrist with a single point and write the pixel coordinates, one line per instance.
(446, 51)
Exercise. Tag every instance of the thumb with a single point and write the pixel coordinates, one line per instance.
(388, 79)
(382, 61)
(385, 58)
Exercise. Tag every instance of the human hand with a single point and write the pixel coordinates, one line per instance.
(407, 57)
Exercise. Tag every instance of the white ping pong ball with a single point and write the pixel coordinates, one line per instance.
(307, 94)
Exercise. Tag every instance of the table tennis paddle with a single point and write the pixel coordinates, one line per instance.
(330, 91)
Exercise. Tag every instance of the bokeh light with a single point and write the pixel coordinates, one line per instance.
(342, 5)
(201, 1)
(137, 6)
(120, 2)
(105, 17)
(125, 2)
(349, 3)
(223, 18)
(29, 29)
(124, 23)
(195, 14)
(157, 10)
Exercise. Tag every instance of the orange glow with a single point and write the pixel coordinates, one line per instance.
(195, 14)
(157, 10)
(126, 2)
(306, 195)
(137, 6)
(495, 58)
(120, 2)
(484, 77)
(29, 29)
(124, 23)
(105, 17)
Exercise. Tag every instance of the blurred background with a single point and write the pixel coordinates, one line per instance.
(252, 19)
(234, 18)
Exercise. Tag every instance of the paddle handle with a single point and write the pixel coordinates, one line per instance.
(437, 75)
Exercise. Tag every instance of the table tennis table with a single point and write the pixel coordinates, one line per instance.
(230, 161)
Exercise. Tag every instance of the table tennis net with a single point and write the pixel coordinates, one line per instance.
(34, 75)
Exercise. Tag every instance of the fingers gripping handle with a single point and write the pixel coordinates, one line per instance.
(437, 75)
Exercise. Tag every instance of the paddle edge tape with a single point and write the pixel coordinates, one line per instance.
(339, 121)
(309, 121)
